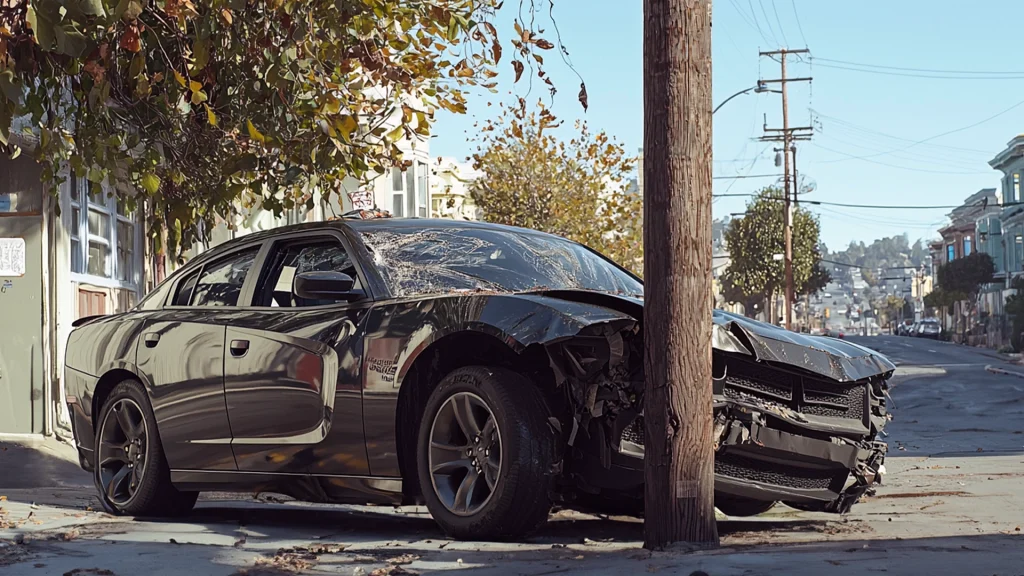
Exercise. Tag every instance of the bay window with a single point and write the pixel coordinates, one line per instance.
(104, 236)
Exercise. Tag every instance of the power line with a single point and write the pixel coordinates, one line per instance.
(915, 74)
(856, 127)
(944, 159)
(868, 158)
(746, 176)
(798, 25)
(757, 23)
(868, 268)
(767, 21)
(847, 62)
(779, 22)
(746, 20)
(871, 206)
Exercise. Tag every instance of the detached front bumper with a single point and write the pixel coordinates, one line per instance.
(755, 460)
(785, 435)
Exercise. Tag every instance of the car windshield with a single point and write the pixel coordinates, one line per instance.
(424, 261)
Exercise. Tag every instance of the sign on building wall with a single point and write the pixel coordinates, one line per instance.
(361, 199)
(12, 256)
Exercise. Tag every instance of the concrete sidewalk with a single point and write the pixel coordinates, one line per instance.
(955, 515)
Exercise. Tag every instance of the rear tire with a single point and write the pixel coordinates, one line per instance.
(497, 487)
(741, 507)
(131, 473)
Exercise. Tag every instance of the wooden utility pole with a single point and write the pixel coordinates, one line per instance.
(787, 136)
(679, 458)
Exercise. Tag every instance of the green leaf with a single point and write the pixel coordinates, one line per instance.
(210, 116)
(128, 10)
(137, 66)
(198, 97)
(396, 134)
(347, 125)
(6, 115)
(42, 27)
(201, 53)
(70, 41)
(179, 78)
(254, 133)
(10, 86)
(151, 183)
(91, 7)
(195, 86)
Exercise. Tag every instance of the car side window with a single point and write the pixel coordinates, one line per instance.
(287, 260)
(221, 282)
(185, 288)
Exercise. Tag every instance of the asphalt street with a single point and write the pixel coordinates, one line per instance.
(947, 403)
(950, 504)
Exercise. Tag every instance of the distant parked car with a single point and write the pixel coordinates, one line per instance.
(929, 329)
(905, 328)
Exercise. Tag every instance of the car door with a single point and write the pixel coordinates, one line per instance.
(181, 356)
(292, 380)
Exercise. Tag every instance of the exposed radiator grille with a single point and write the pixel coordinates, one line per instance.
(806, 395)
(635, 432)
(776, 475)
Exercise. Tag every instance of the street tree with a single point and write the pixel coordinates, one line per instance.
(679, 458)
(817, 280)
(965, 277)
(754, 274)
(1015, 310)
(202, 104)
(575, 188)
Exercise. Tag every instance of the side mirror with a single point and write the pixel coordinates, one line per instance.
(324, 286)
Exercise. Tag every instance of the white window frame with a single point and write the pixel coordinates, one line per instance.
(397, 192)
(108, 206)
(413, 206)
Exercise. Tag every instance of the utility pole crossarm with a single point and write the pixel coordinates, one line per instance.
(786, 80)
(783, 51)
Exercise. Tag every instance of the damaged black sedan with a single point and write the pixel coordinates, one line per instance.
(490, 373)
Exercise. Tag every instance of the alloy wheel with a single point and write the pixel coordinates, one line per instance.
(465, 454)
(122, 451)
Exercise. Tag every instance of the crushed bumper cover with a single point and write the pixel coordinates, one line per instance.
(796, 417)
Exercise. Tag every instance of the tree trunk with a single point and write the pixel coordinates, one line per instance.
(679, 465)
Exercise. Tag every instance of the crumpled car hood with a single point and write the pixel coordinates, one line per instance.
(839, 360)
(836, 359)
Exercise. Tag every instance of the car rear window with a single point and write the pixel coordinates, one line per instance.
(423, 261)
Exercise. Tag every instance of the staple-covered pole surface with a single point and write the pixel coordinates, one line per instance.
(679, 468)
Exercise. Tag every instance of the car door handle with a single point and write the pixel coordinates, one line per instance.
(152, 339)
(239, 348)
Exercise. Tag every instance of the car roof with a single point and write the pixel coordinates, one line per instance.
(369, 225)
(405, 224)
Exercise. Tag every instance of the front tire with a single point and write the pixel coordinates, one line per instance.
(741, 507)
(131, 472)
(485, 453)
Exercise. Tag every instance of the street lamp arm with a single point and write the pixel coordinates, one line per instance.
(731, 97)
(760, 88)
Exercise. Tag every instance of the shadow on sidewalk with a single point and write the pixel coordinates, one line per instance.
(32, 465)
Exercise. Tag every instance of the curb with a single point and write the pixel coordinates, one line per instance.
(994, 370)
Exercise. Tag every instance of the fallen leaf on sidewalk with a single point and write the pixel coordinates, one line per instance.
(3, 498)
(403, 559)
(390, 571)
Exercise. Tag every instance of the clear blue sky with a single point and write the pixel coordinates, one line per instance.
(857, 114)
